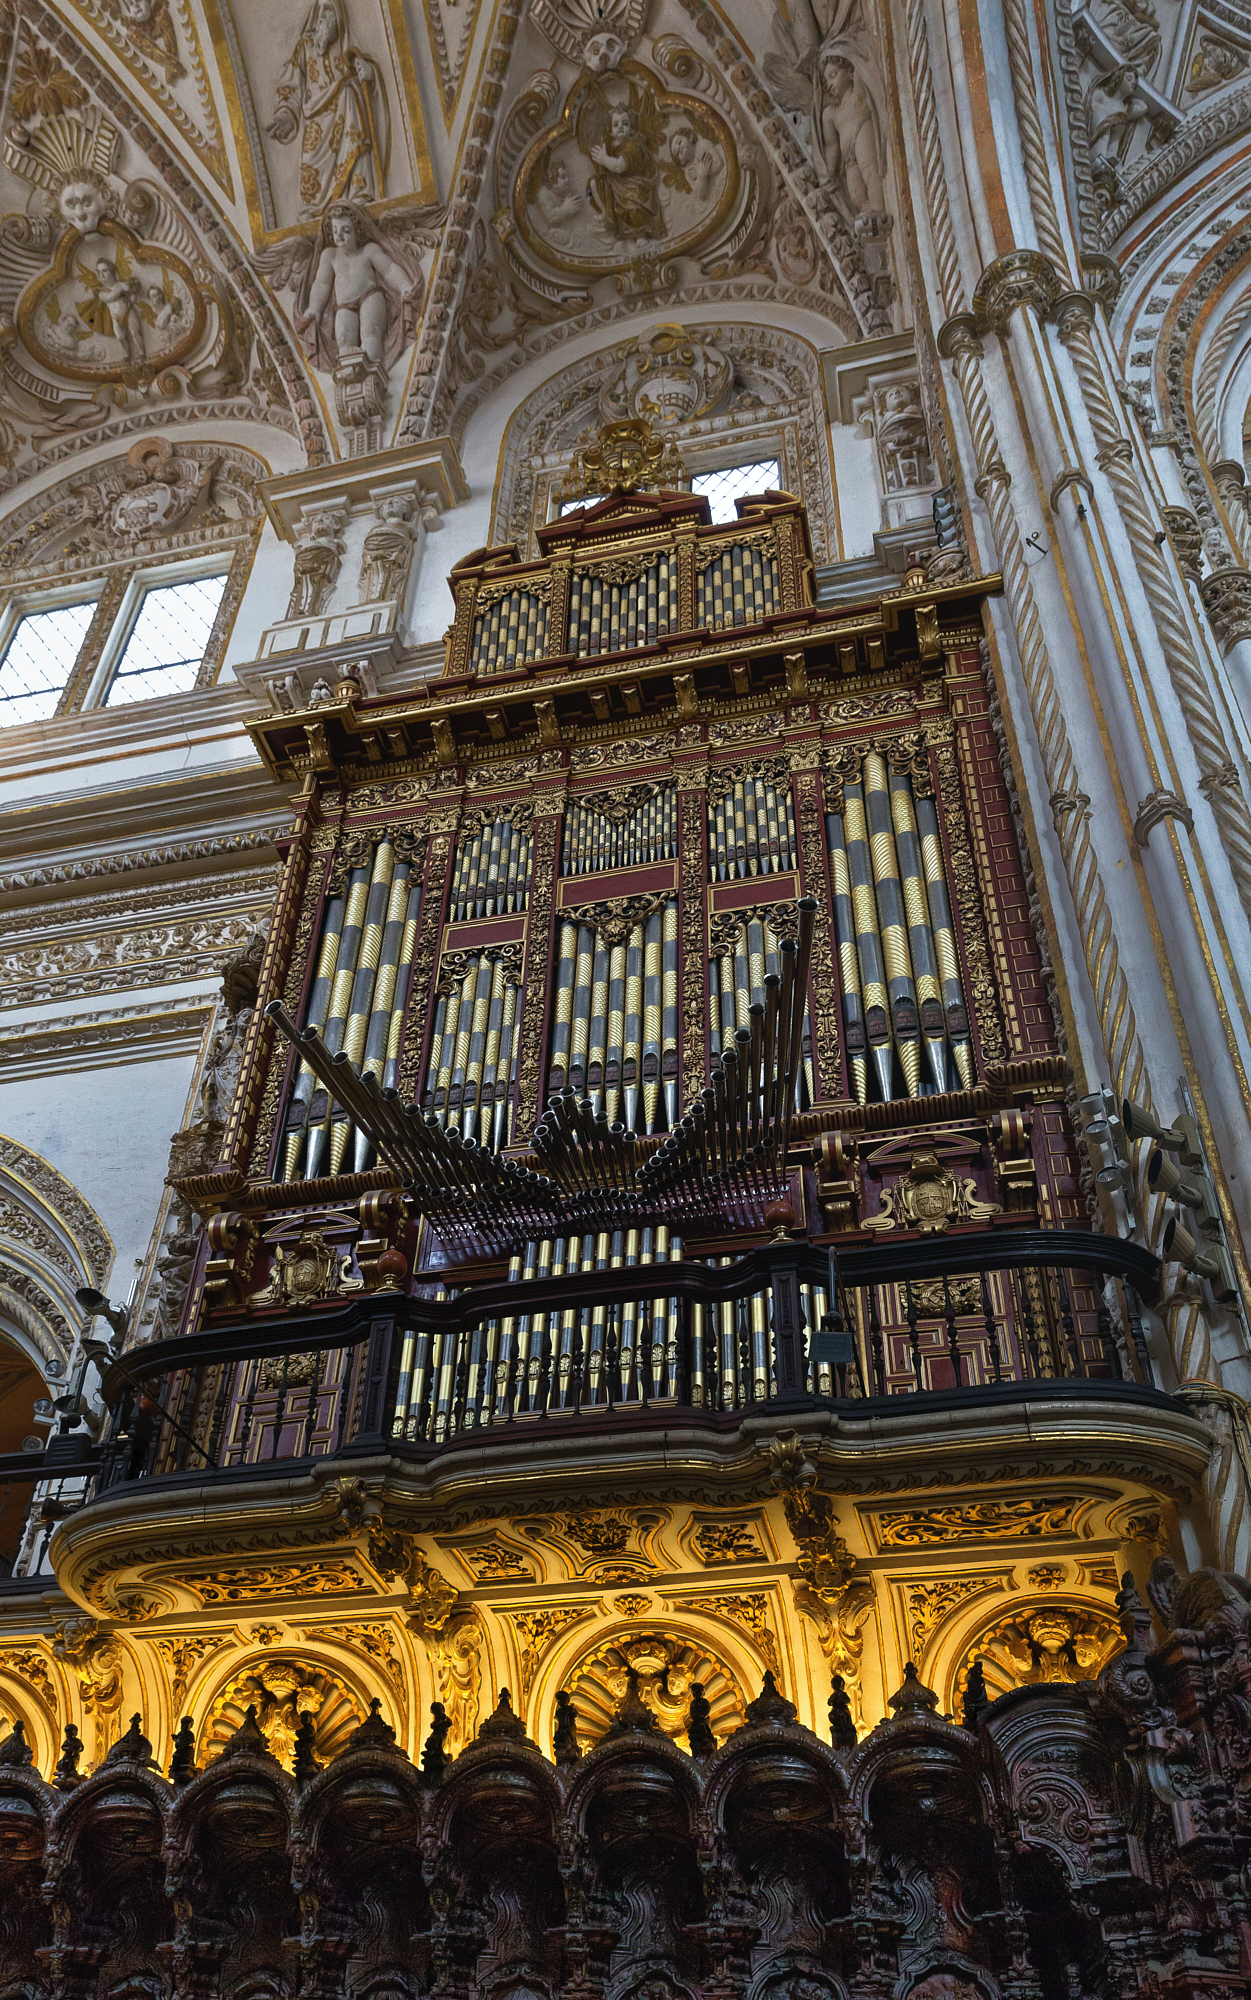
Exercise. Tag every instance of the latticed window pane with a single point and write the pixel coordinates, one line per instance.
(165, 650)
(39, 660)
(722, 489)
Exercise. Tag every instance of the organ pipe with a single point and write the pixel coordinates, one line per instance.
(510, 632)
(751, 823)
(739, 586)
(597, 839)
(900, 985)
(615, 1022)
(900, 973)
(358, 998)
(611, 611)
(492, 872)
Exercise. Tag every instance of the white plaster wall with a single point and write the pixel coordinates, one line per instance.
(107, 1131)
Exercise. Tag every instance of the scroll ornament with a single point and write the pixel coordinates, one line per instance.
(825, 1562)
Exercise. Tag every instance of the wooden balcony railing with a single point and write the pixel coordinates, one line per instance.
(985, 1315)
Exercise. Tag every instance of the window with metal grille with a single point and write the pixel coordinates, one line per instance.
(39, 660)
(722, 489)
(167, 642)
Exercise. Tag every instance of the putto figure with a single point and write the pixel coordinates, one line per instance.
(331, 96)
(360, 293)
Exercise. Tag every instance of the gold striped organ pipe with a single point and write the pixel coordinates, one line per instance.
(669, 1011)
(340, 996)
(611, 615)
(386, 1017)
(920, 935)
(614, 1054)
(868, 942)
(631, 1059)
(652, 963)
(954, 1005)
(892, 927)
(492, 870)
(595, 842)
(580, 1036)
(751, 826)
(318, 1006)
(566, 956)
(510, 632)
(615, 1023)
(360, 1004)
(488, 973)
(739, 585)
(598, 1037)
(848, 960)
(506, 1071)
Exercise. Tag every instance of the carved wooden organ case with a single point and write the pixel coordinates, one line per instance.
(568, 873)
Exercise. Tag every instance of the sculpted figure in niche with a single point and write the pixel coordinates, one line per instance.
(820, 72)
(620, 141)
(318, 556)
(330, 95)
(360, 297)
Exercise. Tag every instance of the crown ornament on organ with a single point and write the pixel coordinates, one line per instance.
(625, 457)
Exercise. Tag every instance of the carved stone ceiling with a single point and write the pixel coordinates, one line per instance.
(329, 217)
(340, 219)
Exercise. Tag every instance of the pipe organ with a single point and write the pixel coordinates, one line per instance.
(675, 904)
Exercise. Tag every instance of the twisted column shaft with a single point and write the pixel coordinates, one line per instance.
(1187, 673)
(1069, 805)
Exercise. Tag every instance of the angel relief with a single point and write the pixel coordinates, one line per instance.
(631, 170)
(357, 281)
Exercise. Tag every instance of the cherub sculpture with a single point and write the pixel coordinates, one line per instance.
(358, 282)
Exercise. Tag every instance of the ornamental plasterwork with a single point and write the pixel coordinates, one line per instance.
(929, 1603)
(1058, 1641)
(38, 1179)
(708, 384)
(979, 1520)
(159, 498)
(118, 961)
(158, 43)
(283, 1691)
(111, 296)
(668, 1664)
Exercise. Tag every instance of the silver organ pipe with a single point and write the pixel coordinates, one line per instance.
(623, 603)
(626, 831)
(739, 586)
(615, 1021)
(510, 628)
(751, 821)
(892, 920)
(492, 872)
